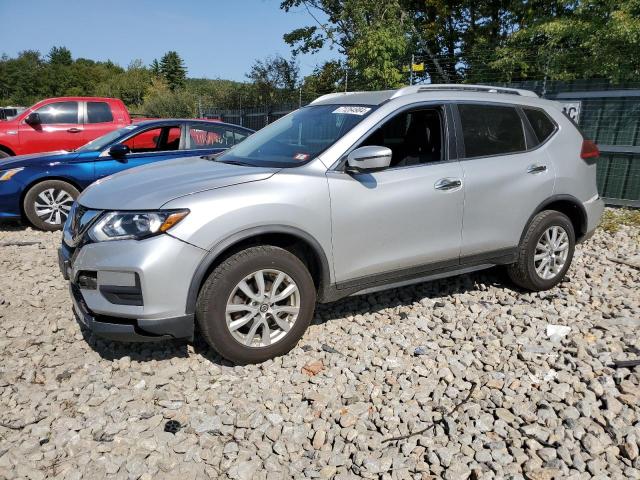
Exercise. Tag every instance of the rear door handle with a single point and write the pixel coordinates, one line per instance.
(74, 130)
(448, 184)
(535, 168)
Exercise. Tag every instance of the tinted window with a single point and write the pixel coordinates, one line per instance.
(211, 136)
(61, 112)
(491, 130)
(541, 123)
(414, 137)
(98, 112)
(159, 139)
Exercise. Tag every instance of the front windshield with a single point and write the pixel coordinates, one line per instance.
(298, 137)
(101, 142)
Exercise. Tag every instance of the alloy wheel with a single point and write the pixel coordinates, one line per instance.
(53, 205)
(551, 252)
(262, 308)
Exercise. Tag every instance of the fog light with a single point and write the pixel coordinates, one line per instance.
(88, 280)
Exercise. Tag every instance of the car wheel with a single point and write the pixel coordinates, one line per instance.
(545, 253)
(47, 204)
(4, 154)
(256, 304)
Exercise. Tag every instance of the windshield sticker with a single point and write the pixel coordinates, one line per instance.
(300, 156)
(130, 127)
(353, 110)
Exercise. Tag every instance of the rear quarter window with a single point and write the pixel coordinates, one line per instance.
(491, 130)
(541, 124)
(99, 112)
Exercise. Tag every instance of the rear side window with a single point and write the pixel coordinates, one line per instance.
(59, 112)
(211, 136)
(491, 130)
(99, 112)
(541, 123)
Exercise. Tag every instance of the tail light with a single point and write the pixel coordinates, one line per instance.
(589, 150)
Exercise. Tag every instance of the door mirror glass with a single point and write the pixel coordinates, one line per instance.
(33, 119)
(119, 150)
(369, 159)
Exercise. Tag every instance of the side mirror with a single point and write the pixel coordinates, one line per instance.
(33, 119)
(119, 151)
(369, 159)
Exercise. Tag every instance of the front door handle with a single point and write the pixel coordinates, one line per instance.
(535, 168)
(448, 184)
(74, 130)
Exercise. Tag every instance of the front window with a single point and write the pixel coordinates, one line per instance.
(59, 113)
(160, 139)
(298, 137)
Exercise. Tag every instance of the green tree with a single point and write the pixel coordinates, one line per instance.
(60, 56)
(155, 68)
(274, 78)
(373, 35)
(129, 85)
(328, 78)
(173, 70)
(161, 101)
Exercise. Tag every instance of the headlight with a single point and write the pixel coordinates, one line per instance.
(7, 174)
(135, 225)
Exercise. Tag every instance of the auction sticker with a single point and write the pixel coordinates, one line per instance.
(352, 110)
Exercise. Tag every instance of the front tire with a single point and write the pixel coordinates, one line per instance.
(47, 204)
(545, 253)
(256, 304)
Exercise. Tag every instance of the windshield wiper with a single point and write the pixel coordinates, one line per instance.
(234, 162)
(214, 157)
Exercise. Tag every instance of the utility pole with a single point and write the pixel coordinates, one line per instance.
(346, 79)
(300, 96)
(411, 70)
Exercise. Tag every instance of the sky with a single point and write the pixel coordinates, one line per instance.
(216, 38)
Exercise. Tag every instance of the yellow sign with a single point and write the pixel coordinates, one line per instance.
(418, 67)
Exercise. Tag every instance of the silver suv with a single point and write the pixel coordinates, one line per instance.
(354, 193)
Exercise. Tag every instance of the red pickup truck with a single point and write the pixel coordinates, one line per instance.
(63, 123)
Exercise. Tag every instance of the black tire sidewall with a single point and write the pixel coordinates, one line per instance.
(4, 154)
(29, 201)
(554, 219)
(212, 317)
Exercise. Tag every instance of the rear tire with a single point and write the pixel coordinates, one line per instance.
(262, 286)
(47, 204)
(545, 253)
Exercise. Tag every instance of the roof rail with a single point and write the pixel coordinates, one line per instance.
(462, 88)
(331, 95)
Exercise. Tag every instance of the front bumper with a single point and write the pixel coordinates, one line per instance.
(154, 275)
(10, 193)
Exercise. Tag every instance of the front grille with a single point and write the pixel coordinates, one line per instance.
(77, 212)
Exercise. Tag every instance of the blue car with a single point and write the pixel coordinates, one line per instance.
(41, 188)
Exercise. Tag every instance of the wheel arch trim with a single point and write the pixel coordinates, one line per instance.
(559, 198)
(223, 245)
(45, 178)
(8, 150)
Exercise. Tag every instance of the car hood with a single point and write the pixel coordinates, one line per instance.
(37, 159)
(153, 185)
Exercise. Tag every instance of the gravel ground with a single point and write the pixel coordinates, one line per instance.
(468, 361)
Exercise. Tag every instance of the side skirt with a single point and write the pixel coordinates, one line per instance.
(424, 273)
